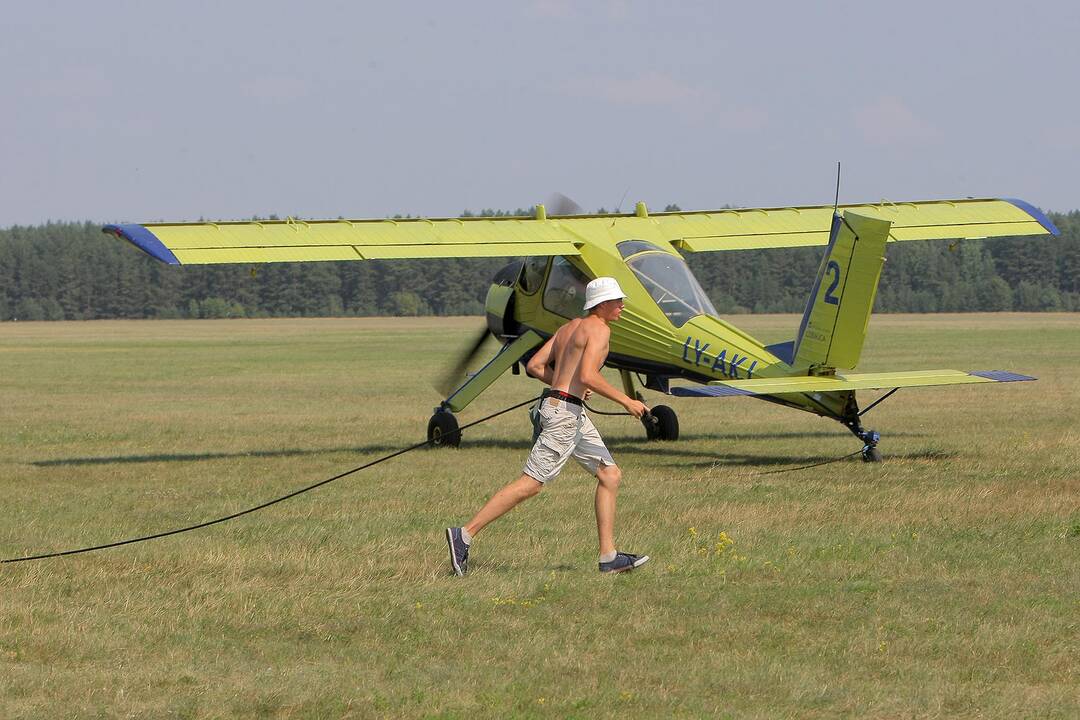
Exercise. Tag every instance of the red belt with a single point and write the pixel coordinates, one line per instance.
(564, 396)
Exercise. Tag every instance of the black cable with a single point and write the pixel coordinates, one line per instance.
(770, 472)
(257, 507)
(807, 467)
(647, 417)
(601, 412)
(293, 494)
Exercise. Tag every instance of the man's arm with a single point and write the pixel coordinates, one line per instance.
(592, 359)
(540, 366)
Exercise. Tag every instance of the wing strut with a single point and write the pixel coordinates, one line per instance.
(488, 374)
(877, 402)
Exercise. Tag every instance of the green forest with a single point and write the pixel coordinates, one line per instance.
(71, 271)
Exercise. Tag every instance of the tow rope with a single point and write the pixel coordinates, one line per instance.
(601, 412)
(267, 504)
(649, 418)
(327, 481)
(807, 467)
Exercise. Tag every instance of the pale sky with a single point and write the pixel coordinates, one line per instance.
(139, 111)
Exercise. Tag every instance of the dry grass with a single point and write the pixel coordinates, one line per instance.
(942, 583)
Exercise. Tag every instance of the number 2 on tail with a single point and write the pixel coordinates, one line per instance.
(832, 268)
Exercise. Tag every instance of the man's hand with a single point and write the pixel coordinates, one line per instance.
(636, 408)
(586, 395)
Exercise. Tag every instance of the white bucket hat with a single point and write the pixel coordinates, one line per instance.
(601, 290)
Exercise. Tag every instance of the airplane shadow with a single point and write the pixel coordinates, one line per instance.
(837, 432)
(621, 445)
(800, 463)
(199, 457)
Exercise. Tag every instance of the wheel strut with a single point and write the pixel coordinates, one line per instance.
(870, 438)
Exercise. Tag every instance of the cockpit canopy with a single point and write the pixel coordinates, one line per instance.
(669, 281)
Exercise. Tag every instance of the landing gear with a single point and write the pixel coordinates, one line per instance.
(870, 438)
(442, 429)
(661, 424)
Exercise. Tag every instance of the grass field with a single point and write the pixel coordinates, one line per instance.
(944, 582)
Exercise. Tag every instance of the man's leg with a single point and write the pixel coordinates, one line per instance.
(545, 461)
(594, 456)
(459, 538)
(503, 501)
(607, 488)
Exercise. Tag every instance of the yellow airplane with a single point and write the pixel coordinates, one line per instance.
(669, 329)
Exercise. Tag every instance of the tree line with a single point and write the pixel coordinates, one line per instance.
(71, 271)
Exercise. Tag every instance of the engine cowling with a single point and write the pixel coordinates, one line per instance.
(499, 304)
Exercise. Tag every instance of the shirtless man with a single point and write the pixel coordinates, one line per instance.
(570, 363)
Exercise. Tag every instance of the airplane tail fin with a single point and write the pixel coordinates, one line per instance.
(834, 323)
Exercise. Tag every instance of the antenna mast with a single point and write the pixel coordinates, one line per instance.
(836, 200)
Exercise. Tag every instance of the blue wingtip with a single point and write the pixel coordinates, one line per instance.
(143, 239)
(1000, 375)
(1035, 213)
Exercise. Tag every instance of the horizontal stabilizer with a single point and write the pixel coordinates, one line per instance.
(855, 381)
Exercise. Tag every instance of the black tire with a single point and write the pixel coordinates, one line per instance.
(442, 430)
(871, 455)
(665, 426)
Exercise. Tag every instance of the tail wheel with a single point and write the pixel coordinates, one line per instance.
(661, 424)
(871, 454)
(442, 430)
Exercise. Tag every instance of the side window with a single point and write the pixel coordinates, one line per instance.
(533, 274)
(565, 292)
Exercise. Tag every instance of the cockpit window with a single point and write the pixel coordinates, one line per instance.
(533, 273)
(565, 291)
(629, 247)
(671, 285)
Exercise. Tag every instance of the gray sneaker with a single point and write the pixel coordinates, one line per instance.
(623, 562)
(459, 551)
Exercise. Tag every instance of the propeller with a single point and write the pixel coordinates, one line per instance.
(559, 204)
(455, 375)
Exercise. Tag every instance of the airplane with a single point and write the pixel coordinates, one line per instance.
(669, 330)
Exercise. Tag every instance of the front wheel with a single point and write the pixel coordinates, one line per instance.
(442, 430)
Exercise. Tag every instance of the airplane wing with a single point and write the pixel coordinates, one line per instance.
(751, 229)
(855, 381)
(300, 240)
(306, 241)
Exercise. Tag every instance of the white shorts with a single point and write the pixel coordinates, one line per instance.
(565, 431)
